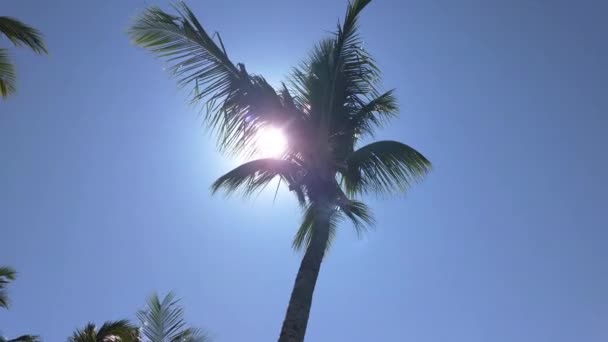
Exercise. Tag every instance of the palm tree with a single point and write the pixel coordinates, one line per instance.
(19, 34)
(332, 105)
(7, 275)
(24, 338)
(163, 321)
(112, 331)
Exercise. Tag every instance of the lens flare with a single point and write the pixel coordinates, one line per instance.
(271, 142)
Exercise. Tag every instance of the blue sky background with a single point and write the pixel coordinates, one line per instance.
(105, 174)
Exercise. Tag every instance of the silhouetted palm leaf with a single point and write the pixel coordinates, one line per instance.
(7, 74)
(384, 166)
(19, 34)
(256, 174)
(238, 103)
(109, 332)
(7, 275)
(24, 338)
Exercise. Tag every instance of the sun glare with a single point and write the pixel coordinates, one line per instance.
(271, 142)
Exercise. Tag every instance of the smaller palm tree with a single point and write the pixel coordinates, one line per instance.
(19, 34)
(7, 275)
(163, 321)
(112, 331)
(24, 338)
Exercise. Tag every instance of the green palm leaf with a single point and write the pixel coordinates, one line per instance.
(23, 338)
(7, 74)
(111, 331)
(311, 215)
(21, 34)
(7, 275)
(373, 114)
(253, 176)
(237, 103)
(359, 214)
(384, 167)
(163, 321)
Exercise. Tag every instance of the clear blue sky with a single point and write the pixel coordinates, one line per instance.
(105, 174)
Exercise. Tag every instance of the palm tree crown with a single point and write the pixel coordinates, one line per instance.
(332, 102)
(112, 331)
(19, 34)
(329, 106)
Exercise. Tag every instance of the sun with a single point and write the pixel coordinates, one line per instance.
(271, 142)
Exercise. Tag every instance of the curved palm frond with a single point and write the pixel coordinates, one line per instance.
(383, 167)
(304, 233)
(362, 122)
(373, 114)
(8, 78)
(334, 85)
(256, 174)
(237, 102)
(122, 329)
(112, 331)
(21, 34)
(88, 334)
(7, 275)
(163, 321)
(26, 338)
(360, 215)
(354, 73)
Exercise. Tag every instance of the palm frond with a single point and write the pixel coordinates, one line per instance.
(363, 121)
(360, 215)
(88, 334)
(21, 34)
(26, 338)
(337, 78)
(309, 218)
(253, 176)
(163, 321)
(348, 31)
(122, 329)
(383, 167)
(354, 73)
(192, 335)
(237, 102)
(8, 78)
(192, 53)
(7, 275)
(374, 114)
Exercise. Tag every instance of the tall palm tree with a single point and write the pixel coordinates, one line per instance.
(23, 338)
(19, 34)
(112, 331)
(331, 105)
(163, 321)
(7, 275)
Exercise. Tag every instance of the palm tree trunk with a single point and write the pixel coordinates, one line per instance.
(296, 318)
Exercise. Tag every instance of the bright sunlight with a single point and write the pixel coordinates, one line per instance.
(271, 142)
